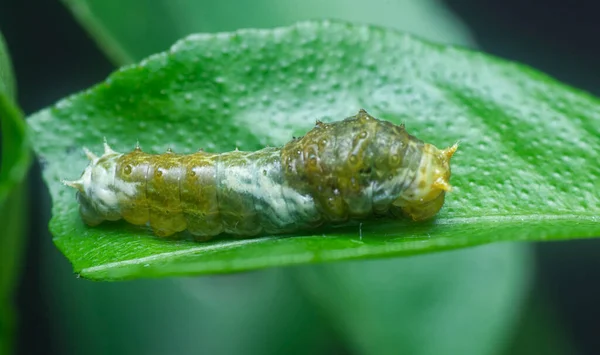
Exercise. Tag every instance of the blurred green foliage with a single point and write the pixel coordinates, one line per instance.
(460, 302)
(14, 162)
(131, 30)
(464, 300)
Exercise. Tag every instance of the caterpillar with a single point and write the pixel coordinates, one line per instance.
(354, 169)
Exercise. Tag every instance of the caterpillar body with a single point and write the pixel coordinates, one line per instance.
(353, 169)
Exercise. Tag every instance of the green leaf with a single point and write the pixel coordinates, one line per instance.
(526, 169)
(459, 302)
(12, 220)
(15, 156)
(263, 311)
(14, 161)
(7, 80)
(126, 38)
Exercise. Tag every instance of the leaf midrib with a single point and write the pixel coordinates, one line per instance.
(160, 256)
(505, 219)
(512, 218)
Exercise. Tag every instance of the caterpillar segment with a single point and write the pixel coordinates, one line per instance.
(355, 169)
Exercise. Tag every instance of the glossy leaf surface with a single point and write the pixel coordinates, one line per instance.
(526, 168)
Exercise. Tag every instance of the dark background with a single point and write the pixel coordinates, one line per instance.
(561, 38)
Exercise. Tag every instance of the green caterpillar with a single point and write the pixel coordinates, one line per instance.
(354, 169)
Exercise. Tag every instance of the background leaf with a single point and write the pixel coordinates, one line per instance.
(265, 312)
(426, 304)
(126, 38)
(14, 161)
(7, 80)
(12, 218)
(257, 88)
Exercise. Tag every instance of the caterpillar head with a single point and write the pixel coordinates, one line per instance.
(424, 197)
(96, 194)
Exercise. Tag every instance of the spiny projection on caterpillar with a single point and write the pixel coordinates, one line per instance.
(355, 169)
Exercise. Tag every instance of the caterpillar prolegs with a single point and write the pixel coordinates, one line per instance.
(353, 169)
